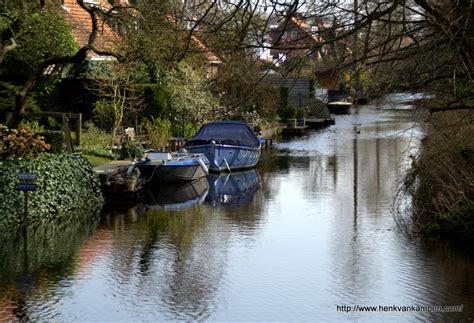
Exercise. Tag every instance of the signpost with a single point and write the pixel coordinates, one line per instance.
(27, 183)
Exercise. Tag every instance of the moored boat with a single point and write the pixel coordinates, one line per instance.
(339, 107)
(228, 145)
(177, 167)
(338, 102)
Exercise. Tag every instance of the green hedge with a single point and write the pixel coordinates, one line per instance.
(65, 183)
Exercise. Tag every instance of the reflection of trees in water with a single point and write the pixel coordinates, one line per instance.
(450, 275)
(35, 259)
(270, 164)
(171, 258)
(198, 265)
(273, 160)
(175, 257)
(368, 167)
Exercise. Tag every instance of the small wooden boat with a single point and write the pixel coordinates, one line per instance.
(228, 145)
(177, 167)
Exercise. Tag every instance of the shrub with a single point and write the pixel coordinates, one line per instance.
(65, 183)
(300, 113)
(20, 144)
(131, 150)
(94, 142)
(94, 137)
(440, 182)
(158, 132)
(158, 102)
(55, 139)
(288, 112)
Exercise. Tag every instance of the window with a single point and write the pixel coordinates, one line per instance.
(93, 3)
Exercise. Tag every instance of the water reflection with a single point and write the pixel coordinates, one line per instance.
(236, 188)
(176, 195)
(35, 261)
(168, 262)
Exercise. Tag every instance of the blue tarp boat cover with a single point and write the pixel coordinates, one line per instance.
(227, 133)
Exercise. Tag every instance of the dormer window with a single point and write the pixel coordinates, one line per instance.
(63, 6)
(92, 3)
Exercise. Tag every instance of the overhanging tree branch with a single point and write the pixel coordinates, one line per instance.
(78, 57)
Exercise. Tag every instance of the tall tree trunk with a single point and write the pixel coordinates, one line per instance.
(20, 103)
(6, 48)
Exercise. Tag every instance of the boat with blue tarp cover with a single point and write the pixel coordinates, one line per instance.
(228, 145)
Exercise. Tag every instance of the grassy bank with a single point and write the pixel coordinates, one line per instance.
(441, 183)
(96, 161)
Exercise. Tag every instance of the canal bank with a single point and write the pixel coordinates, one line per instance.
(313, 233)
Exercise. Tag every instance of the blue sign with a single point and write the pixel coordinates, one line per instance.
(26, 176)
(26, 187)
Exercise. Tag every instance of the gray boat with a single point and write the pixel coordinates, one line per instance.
(165, 167)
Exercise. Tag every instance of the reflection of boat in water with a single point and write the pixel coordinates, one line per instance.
(236, 188)
(177, 195)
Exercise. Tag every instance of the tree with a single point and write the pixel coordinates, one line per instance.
(113, 83)
(29, 36)
(191, 95)
(241, 88)
(369, 38)
(431, 39)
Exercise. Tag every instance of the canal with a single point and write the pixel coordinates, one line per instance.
(308, 235)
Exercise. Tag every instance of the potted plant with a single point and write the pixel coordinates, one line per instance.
(300, 117)
(289, 114)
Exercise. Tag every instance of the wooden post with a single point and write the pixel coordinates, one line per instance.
(79, 128)
(67, 134)
(77, 117)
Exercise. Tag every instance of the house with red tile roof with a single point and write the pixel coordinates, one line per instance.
(81, 22)
(108, 37)
(296, 38)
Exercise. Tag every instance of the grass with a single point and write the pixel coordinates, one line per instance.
(96, 161)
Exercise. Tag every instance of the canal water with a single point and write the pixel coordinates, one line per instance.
(307, 236)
